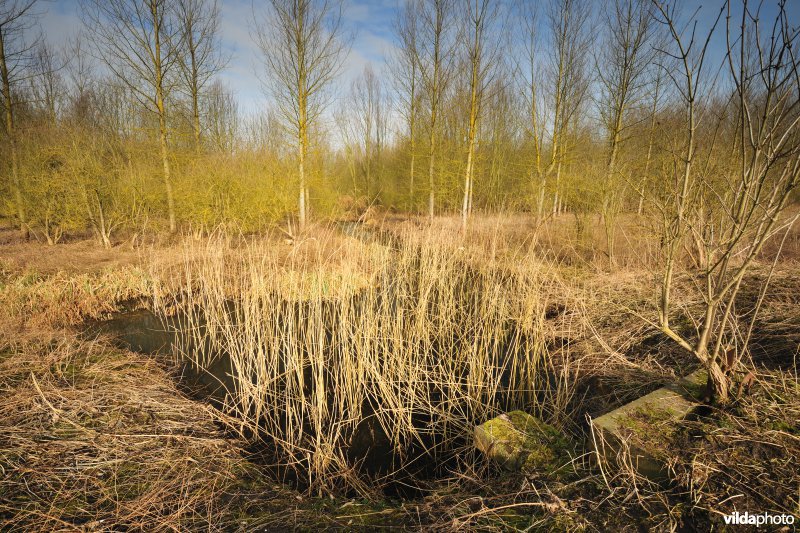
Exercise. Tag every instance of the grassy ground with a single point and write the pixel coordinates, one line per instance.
(94, 437)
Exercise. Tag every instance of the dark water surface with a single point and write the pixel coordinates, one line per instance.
(143, 331)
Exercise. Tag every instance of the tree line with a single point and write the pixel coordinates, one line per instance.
(561, 106)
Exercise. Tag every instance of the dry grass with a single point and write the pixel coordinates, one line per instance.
(72, 256)
(741, 459)
(408, 346)
(745, 458)
(415, 343)
(562, 240)
(37, 301)
(95, 438)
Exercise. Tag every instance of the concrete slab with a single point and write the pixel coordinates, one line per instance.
(638, 425)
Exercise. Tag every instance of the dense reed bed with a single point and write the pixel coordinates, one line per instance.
(339, 347)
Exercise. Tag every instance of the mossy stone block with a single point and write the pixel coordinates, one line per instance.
(519, 441)
(642, 425)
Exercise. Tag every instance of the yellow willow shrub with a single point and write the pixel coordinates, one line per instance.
(52, 201)
(418, 340)
(248, 190)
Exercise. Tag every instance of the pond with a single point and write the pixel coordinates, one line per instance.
(369, 447)
(373, 363)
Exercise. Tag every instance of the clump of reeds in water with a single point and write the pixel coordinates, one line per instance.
(418, 342)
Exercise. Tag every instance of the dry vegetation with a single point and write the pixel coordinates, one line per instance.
(95, 436)
(98, 437)
(417, 343)
(610, 198)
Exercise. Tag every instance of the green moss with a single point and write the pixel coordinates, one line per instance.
(782, 425)
(695, 384)
(650, 428)
(519, 441)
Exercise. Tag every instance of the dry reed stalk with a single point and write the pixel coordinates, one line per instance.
(339, 337)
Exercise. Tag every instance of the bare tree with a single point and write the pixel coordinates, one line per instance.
(621, 64)
(118, 111)
(201, 56)
(733, 207)
(303, 47)
(46, 84)
(222, 114)
(568, 25)
(556, 85)
(16, 18)
(656, 93)
(481, 37)
(81, 80)
(138, 40)
(350, 143)
(528, 72)
(363, 123)
(405, 69)
(500, 133)
(434, 56)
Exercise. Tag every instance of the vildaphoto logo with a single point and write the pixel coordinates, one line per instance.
(762, 519)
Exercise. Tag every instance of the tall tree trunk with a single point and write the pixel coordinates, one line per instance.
(411, 177)
(473, 124)
(607, 207)
(412, 122)
(368, 164)
(11, 132)
(649, 151)
(540, 203)
(435, 88)
(431, 169)
(162, 118)
(195, 94)
(466, 203)
(556, 196)
(301, 169)
(165, 162)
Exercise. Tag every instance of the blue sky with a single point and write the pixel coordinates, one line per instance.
(371, 19)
